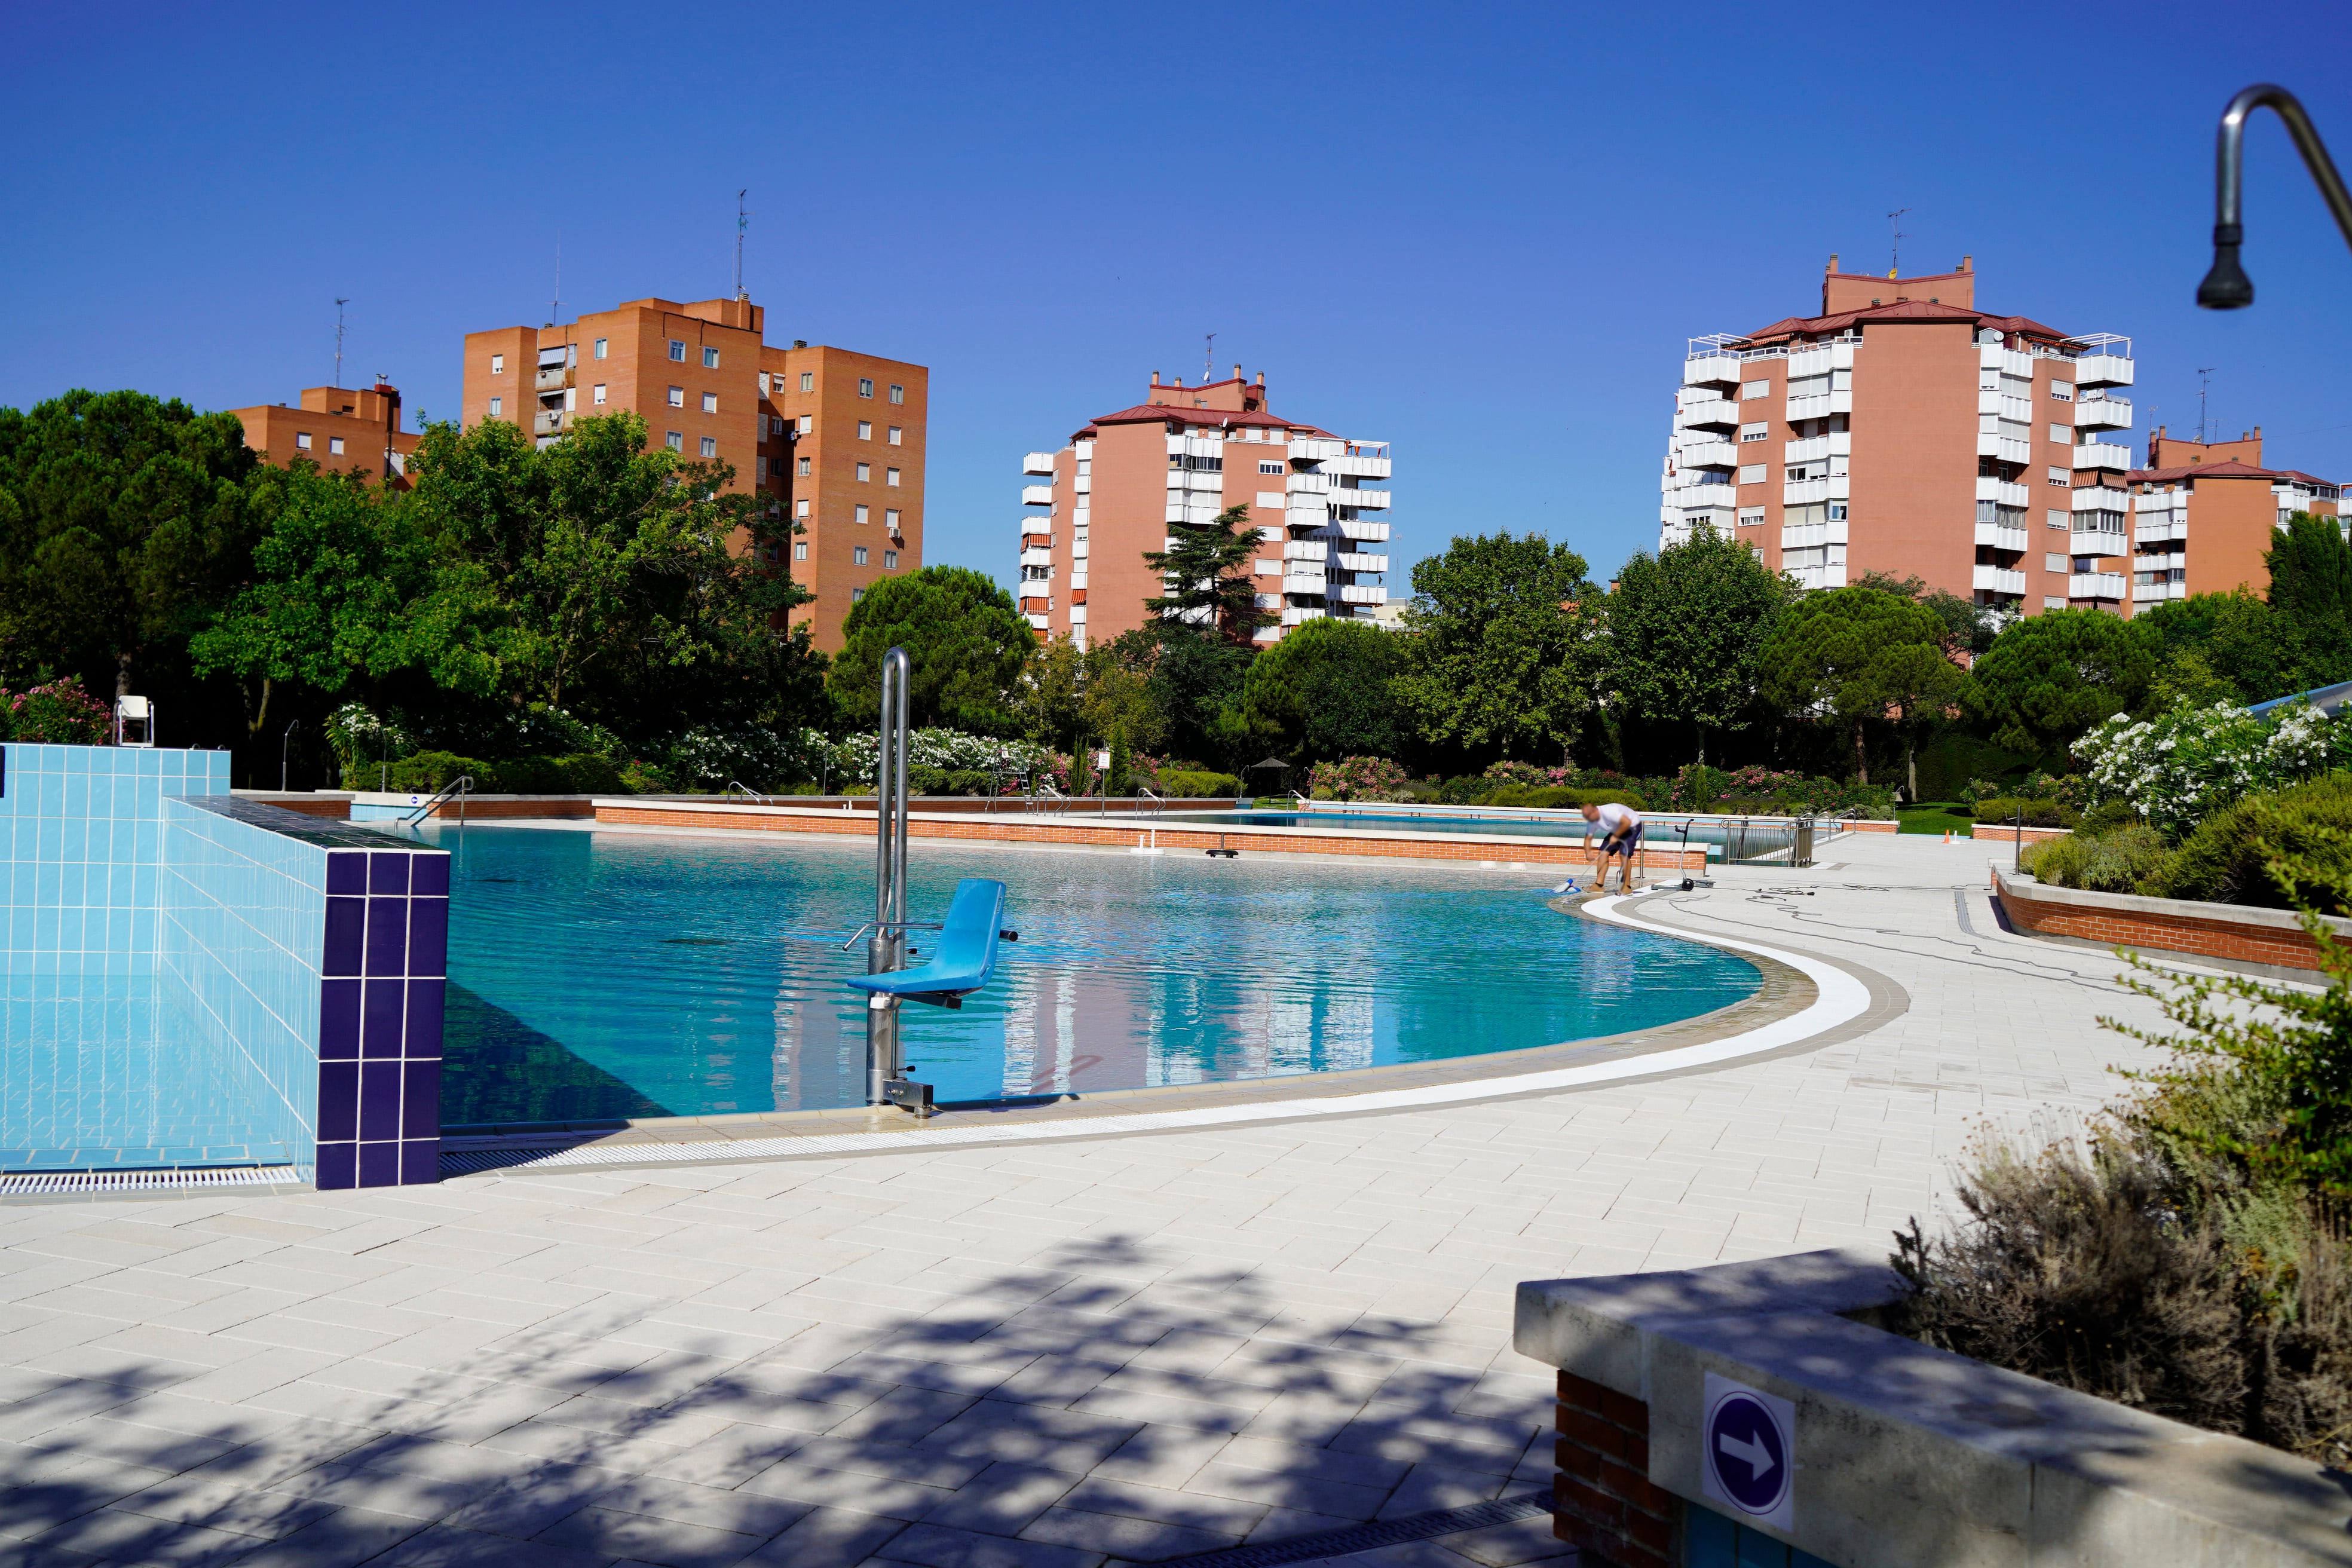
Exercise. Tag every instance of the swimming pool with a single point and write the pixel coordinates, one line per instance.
(602, 974)
(1755, 836)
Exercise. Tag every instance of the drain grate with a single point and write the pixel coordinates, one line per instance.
(48, 1184)
(468, 1162)
(1370, 1537)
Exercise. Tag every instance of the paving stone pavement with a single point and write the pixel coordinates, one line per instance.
(1055, 1355)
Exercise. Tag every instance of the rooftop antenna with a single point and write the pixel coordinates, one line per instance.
(555, 306)
(1894, 246)
(742, 221)
(339, 338)
(2203, 371)
(1208, 355)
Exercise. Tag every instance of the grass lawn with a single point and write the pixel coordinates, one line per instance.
(1931, 817)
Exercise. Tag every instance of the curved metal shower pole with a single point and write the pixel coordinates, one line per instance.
(2227, 287)
(885, 951)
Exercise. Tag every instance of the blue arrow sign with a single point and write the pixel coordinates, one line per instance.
(1749, 1447)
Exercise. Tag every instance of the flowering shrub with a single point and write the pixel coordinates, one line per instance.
(58, 714)
(711, 758)
(950, 750)
(1509, 772)
(1366, 778)
(2174, 769)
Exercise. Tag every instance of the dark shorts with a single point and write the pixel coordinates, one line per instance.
(1625, 846)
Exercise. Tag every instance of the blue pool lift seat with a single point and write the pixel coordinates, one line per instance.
(967, 951)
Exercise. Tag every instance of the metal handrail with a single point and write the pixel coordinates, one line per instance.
(1159, 805)
(733, 785)
(461, 786)
(2227, 287)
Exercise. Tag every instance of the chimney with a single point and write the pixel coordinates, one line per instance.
(1155, 378)
(1261, 378)
(1237, 372)
(1967, 262)
(1179, 381)
(1833, 261)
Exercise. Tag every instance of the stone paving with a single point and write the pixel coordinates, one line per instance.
(1056, 1354)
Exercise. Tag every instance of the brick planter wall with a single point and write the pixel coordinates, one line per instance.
(2269, 938)
(2007, 833)
(1603, 1500)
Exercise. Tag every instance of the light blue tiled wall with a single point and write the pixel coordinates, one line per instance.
(81, 842)
(242, 921)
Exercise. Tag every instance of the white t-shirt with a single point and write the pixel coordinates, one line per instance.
(1612, 816)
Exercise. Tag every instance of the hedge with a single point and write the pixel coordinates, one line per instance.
(428, 773)
(2038, 813)
(1187, 785)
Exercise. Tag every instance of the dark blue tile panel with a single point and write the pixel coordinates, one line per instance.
(338, 1020)
(346, 932)
(379, 1100)
(379, 1038)
(381, 1020)
(420, 1100)
(428, 936)
(425, 998)
(338, 1166)
(429, 874)
(388, 871)
(387, 935)
(379, 1164)
(338, 1101)
(347, 872)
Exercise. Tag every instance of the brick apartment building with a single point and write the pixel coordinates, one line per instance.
(339, 429)
(1129, 480)
(830, 438)
(1902, 430)
(2202, 513)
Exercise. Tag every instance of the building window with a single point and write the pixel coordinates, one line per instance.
(857, 556)
(759, 469)
(335, 446)
(1753, 474)
(598, 351)
(710, 445)
(808, 423)
(800, 550)
(864, 386)
(2063, 390)
(889, 560)
(1751, 517)
(597, 395)
(2061, 477)
(808, 381)
(775, 425)
(1269, 468)
(805, 468)
(497, 364)
(1753, 432)
(674, 440)
(709, 358)
(856, 594)
(710, 403)
(865, 514)
(898, 435)
(497, 407)
(865, 429)
(1755, 389)
(800, 508)
(890, 520)
(2059, 520)
(865, 473)
(678, 397)
(891, 476)
(2063, 434)
(678, 350)
(302, 440)
(1837, 511)
(898, 392)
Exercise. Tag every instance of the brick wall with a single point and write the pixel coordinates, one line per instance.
(1176, 840)
(2006, 833)
(2212, 937)
(1603, 1499)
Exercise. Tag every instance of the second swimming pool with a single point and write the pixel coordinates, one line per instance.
(603, 974)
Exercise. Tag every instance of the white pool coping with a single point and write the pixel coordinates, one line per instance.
(1839, 999)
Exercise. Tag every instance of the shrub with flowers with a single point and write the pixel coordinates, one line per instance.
(950, 750)
(59, 713)
(1366, 778)
(2174, 769)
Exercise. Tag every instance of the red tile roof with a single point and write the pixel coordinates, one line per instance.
(1905, 311)
(1151, 413)
(2231, 469)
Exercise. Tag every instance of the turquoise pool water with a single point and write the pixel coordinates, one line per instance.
(598, 974)
(1760, 836)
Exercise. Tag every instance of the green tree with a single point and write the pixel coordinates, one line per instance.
(1066, 694)
(2239, 640)
(2311, 588)
(1323, 692)
(2049, 676)
(123, 520)
(1496, 654)
(1857, 654)
(1120, 777)
(965, 640)
(1207, 576)
(1687, 629)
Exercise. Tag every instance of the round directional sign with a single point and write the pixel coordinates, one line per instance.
(1747, 1452)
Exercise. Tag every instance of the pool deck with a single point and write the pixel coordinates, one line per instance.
(1060, 1353)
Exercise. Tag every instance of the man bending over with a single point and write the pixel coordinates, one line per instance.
(1621, 830)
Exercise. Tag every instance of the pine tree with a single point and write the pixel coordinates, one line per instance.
(1208, 572)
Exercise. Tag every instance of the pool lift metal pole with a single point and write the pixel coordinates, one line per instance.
(2227, 287)
(885, 950)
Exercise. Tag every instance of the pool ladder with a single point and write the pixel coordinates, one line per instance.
(460, 788)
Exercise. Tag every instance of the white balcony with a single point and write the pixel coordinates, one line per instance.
(1361, 593)
(1309, 483)
(1828, 575)
(1304, 548)
(1036, 495)
(2102, 369)
(2017, 410)
(1078, 580)
(2000, 537)
(1036, 558)
(1304, 579)
(1708, 410)
(2099, 498)
(2003, 447)
(1806, 492)
(2157, 593)
(2168, 560)
(1813, 451)
(2162, 500)
(2159, 527)
(554, 380)
(1999, 580)
(547, 424)
(1821, 405)
(1820, 360)
(1036, 579)
(1371, 500)
(1708, 454)
(2002, 494)
(1196, 445)
(1359, 468)
(1315, 448)
(1684, 498)
(2102, 542)
(1299, 614)
(2103, 455)
(1364, 530)
(1350, 562)
(1812, 535)
(2095, 585)
(1037, 463)
(1711, 370)
(2103, 414)
(2008, 362)
(1194, 511)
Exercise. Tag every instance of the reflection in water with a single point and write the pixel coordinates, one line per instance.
(705, 975)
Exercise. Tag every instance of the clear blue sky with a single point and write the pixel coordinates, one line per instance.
(1481, 232)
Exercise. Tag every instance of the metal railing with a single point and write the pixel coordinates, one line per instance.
(457, 788)
(736, 786)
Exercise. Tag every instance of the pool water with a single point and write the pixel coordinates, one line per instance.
(1659, 832)
(601, 974)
